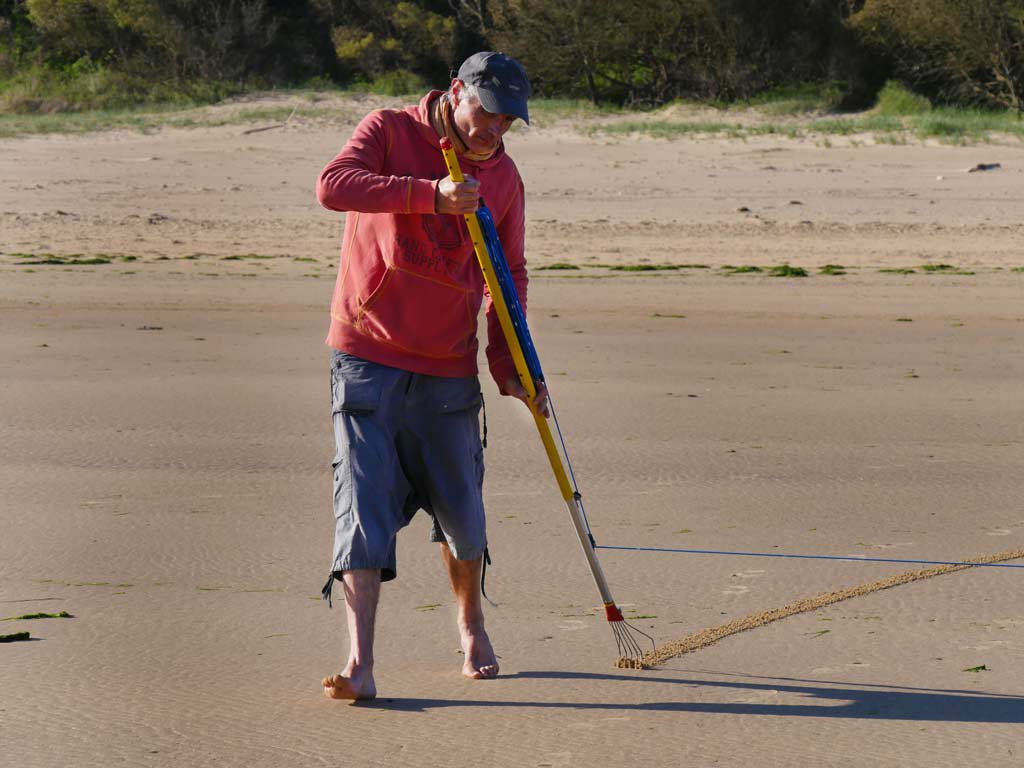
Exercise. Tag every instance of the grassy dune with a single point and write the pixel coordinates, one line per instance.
(899, 116)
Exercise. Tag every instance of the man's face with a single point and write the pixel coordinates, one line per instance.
(482, 130)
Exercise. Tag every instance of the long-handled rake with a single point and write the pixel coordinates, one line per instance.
(513, 324)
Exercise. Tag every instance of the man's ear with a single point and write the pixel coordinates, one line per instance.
(456, 89)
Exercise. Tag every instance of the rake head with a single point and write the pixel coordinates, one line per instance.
(631, 654)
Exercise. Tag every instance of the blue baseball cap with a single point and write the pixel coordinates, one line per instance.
(501, 82)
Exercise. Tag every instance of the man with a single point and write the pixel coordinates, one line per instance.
(406, 398)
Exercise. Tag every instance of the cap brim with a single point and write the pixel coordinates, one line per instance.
(503, 105)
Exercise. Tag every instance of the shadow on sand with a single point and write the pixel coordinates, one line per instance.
(826, 699)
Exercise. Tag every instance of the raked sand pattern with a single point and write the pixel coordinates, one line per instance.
(706, 637)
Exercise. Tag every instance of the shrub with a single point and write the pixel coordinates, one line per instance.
(398, 82)
(896, 101)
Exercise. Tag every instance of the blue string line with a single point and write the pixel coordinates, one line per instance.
(522, 330)
(812, 557)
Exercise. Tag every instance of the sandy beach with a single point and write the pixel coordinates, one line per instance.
(165, 448)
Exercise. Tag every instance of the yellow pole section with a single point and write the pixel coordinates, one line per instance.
(523, 371)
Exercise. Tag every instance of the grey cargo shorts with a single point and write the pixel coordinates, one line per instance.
(404, 441)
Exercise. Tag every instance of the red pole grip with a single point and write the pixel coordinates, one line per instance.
(611, 610)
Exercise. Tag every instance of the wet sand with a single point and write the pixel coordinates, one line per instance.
(166, 445)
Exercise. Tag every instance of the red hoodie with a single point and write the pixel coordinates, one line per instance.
(409, 287)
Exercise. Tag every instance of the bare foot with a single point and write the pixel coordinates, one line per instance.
(481, 663)
(355, 683)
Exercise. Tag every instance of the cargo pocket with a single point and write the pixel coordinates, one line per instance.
(457, 403)
(356, 392)
(456, 395)
(354, 386)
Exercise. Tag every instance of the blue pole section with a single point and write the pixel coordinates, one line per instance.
(508, 289)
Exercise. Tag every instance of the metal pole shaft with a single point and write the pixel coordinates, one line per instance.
(522, 370)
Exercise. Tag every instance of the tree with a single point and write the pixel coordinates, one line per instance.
(19, 37)
(625, 51)
(380, 38)
(958, 51)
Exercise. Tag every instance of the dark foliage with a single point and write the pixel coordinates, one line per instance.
(629, 52)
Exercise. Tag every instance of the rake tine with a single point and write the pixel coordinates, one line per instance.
(631, 655)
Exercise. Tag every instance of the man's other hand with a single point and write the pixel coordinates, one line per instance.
(457, 196)
(514, 389)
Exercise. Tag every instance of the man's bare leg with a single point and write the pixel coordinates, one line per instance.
(480, 663)
(362, 591)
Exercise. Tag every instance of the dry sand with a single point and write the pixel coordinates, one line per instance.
(164, 449)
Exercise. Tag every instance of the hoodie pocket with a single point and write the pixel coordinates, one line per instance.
(419, 314)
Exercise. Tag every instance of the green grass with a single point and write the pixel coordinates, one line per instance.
(28, 616)
(895, 99)
(945, 269)
(89, 96)
(979, 668)
(97, 100)
(397, 82)
(648, 267)
(1017, 269)
(668, 315)
(864, 123)
(582, 277)
(784, 270)
(644, 267)
(72, 114)
(136, 118)
(147, 118)
(90, 85)
(15, 637)
(672, 129)
(547, 111)
(73, 259)
(956, 125)
(898, 116)
(663, 129)
(558, 265)
(832, 269)
(948, 124)
(898, 270)
(243, 256)
(798, 99)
